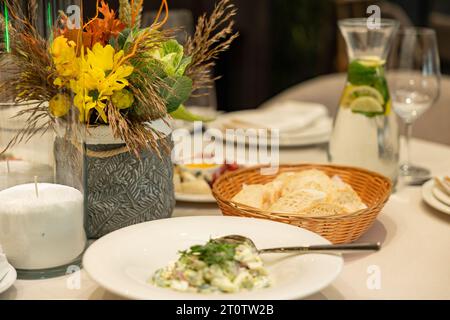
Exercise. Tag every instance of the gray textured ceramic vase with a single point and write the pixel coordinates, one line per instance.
(122, 190)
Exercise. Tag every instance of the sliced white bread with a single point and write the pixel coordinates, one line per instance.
(298, 201)
(343, 195)
(253, 195)
(308, 179)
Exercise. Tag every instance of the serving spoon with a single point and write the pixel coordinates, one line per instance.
(320, 248)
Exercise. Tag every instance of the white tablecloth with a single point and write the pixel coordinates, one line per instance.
(414, 262)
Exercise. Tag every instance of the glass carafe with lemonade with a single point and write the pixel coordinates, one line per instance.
(365, 132)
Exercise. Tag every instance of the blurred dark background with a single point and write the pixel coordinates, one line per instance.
(285, 42)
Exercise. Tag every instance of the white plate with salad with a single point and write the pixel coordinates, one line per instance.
(177, 259)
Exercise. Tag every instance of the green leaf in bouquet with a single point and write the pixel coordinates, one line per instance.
(170, 62)
(128, 37)
(172, 46)
(113, 42)
(185, 62)
(181, 113)
(152, 68)
(122, 38)
(178, 91)
(171, 56)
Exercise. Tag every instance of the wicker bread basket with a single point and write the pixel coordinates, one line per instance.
(374, 189)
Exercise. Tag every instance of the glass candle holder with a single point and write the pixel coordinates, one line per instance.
(42, 209)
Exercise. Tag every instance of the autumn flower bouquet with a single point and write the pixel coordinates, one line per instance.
(110, 71)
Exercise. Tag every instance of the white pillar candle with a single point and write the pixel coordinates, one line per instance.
(41, 232)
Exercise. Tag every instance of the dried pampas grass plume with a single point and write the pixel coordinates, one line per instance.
(213, 35)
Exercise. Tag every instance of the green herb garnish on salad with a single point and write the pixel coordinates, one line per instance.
(216, 266)
(214, 252)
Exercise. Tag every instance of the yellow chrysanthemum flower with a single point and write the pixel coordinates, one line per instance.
(87, 100)
(101, 57)
(101, 76)
(122, 99)
(59, 105)
(65, 59)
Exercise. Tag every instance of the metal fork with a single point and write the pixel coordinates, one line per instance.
(323, 248)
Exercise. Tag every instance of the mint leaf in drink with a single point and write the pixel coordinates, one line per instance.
(360, 74)
(381, 86)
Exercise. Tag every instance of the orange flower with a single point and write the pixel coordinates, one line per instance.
(101, 30)
(98, 30)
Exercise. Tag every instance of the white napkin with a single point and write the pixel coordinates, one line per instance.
(441, 190)
(443, 183)
(287, 116)
(4, 266)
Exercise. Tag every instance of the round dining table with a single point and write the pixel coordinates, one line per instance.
(413, 263)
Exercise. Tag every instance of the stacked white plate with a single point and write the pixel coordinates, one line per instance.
(299, 123)
(437, 195)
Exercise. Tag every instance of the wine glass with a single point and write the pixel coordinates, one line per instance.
(414, 80)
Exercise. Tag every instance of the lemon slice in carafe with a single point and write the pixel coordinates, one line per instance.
(371, 61)
(352, 93)
(367, 105)
(366, 91)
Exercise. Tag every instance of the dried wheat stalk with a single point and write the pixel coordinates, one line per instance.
(27, 74)
(125, 12)
(131, 13)
(137, 12)
(33, 12)
(212, 36)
